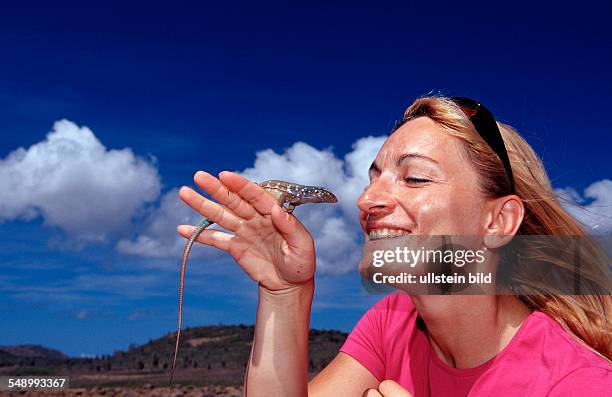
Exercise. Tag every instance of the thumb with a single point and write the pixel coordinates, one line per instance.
(289, 227)
(390, 388)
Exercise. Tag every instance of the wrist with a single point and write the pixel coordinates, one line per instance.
(298, 292)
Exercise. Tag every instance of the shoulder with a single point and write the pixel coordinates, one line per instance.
(382, 325)
(390, 320)
(559, 343)
(586, 381)
(392, 309)
(558, 359)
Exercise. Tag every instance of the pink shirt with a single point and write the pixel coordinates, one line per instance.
(540, 360)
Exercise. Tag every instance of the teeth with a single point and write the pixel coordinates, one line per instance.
(376, 234)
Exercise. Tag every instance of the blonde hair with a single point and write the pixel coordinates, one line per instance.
(584, 316)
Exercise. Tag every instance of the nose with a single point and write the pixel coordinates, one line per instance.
(376, 199)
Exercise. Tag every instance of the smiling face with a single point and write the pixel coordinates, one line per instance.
(421, 183)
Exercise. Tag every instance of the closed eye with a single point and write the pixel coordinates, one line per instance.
(414, 180)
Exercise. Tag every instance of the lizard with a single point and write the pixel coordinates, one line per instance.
(285, 193)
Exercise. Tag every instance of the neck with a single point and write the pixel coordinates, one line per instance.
(467, 331)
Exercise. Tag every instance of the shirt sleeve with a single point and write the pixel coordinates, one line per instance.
(590, 381)
(365, 342)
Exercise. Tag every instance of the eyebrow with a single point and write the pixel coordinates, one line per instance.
(375, 168)
(407, 156)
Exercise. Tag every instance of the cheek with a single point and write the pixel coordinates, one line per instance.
(444, 213)
(465, 216)
(435, 215)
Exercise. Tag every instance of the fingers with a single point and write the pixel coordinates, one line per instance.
(371, 393)
(250, 192)
(289, 227)
(390, 388)
(223, 195)
(211, 210)
(214, 238)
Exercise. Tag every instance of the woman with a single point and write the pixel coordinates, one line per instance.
(445, 170)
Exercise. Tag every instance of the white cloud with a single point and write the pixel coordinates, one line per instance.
(75, 183)
(594, 208)
(159, 238)
(334, 227)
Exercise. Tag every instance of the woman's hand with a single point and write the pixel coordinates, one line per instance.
(387, 388)
(272, 247)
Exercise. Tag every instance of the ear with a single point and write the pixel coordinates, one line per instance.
(504, 217)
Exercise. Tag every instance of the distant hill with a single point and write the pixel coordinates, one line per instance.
(208, 355)
(29, 355)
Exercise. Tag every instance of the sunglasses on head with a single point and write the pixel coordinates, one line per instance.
(485, 125)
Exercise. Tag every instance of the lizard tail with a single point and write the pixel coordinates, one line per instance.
(196, 233)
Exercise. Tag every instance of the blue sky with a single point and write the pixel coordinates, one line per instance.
(150, 94)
